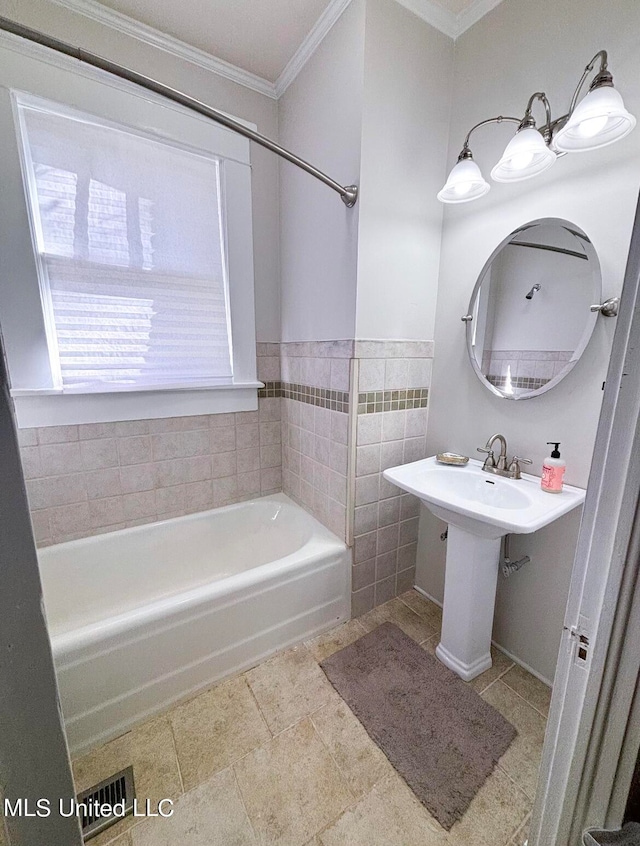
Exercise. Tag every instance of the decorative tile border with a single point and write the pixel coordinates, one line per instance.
(271, 389)
(523, 382)
(374, 402)
(322, 397)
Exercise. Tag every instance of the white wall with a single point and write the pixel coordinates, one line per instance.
(320, 119)
(373, 100)
(211, 89)
(407, 97)
(518, 48)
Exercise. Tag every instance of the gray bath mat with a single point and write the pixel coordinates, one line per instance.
(441, 737)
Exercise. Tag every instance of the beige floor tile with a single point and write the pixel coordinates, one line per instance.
(150, 750)
(423, 607)
(500, 666)
(292, 787)
(536, 693)
(123, 840)
(215, 729)
(522, 834)
(212, 814)
(430, 644)
(326, 644)
(522, 759)
(390, 815)
(289, 687)
(395, 611)
(495, 814)
(361, 761)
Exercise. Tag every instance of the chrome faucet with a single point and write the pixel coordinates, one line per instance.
(499, 467)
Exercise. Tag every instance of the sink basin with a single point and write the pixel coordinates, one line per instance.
(486, 505)
(480, 508)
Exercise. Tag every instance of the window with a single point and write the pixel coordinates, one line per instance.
(129, 238)
(126, 287)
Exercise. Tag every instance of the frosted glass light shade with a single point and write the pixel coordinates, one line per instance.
(526, 155)
(465, 183)
(598, 120)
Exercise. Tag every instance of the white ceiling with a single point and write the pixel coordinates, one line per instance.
(268, 39)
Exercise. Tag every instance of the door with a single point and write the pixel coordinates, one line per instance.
(581, 780)
(34, 759)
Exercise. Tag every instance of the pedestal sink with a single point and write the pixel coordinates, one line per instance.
(480, 508)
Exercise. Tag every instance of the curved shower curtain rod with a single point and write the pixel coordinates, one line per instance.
(348, 193)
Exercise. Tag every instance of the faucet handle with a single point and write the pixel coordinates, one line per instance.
(490, 460)
(514, 467)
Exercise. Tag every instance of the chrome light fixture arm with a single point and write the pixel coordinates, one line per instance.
(466, 152)
(603, 79)
(528, 119)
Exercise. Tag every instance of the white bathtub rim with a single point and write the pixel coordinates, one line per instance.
(76, 646)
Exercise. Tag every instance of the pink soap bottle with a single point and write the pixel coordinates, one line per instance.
(553, 470)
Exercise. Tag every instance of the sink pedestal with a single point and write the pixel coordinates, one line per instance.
(480, 508)
(471, 579)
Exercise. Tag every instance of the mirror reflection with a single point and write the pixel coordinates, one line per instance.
(530, 316)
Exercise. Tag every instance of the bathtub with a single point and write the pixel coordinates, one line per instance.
(141, 618)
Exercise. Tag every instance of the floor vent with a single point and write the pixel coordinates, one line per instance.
(117, 792)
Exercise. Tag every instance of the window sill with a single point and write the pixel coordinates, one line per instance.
(55, 408)
(71, 392)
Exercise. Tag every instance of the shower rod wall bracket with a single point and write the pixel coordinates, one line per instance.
(348, 193)
(350, 196)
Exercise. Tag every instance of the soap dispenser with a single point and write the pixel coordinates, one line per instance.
(553, 470)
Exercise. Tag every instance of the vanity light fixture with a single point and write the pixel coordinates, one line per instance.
(465, 181)
(599, 119)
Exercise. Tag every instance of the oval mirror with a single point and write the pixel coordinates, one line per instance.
(530, 317)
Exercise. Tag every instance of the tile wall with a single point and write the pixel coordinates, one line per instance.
(350, 410)
(315, 428)
(94, 478)
(393, 379)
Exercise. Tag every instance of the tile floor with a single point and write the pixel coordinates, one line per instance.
(274, 756)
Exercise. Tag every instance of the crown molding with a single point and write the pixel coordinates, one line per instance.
(451, 24)
(472, 14)
(149, 35)
(428, 10)
(310, 44)
(433, 14)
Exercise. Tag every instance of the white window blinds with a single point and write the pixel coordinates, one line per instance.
(130, 240)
